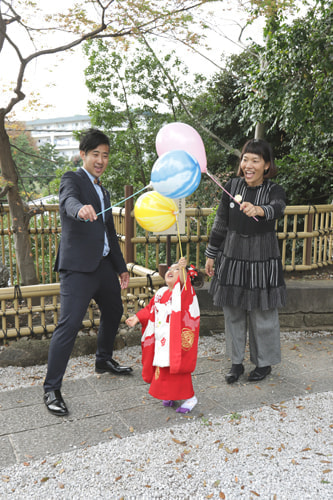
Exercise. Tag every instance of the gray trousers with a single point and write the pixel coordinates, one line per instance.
(264, 335)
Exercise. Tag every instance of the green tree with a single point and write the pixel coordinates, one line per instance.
(116, 19)
(46, 165)
(284, 98)
(134, 99)
(217, 110)
(292, 95)
(35, 167)
(24, 152)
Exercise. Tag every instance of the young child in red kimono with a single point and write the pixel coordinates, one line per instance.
(170, 334)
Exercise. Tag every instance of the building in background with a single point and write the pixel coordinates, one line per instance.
(59, 132)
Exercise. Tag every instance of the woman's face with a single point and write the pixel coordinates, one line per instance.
(253, 167)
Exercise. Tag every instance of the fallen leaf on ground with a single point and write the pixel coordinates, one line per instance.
(178, 442)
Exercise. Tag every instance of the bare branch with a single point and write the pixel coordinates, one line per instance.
(194, 49)
(33, 156)
(226, 146)
(2, 31)
(4, 191)
(147, 26)
(35, 211)
(24, 62)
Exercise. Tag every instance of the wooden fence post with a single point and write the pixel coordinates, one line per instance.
(162, 269)
(308, 242)
(129, 225)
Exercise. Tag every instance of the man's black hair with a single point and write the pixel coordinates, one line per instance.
(91, 139)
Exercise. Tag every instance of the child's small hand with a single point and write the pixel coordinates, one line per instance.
(132, 321)
(182, 262)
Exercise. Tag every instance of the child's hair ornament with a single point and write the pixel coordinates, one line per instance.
(192, 271)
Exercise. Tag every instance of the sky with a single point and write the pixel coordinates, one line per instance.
(59, 82)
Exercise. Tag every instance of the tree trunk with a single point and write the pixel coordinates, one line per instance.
(259, 131)
(19, 216)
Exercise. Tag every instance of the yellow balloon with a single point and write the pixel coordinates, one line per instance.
(155, 212)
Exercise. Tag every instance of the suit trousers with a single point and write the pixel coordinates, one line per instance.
(76, 291)
(264, 335)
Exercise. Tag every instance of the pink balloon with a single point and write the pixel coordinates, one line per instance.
(181, 136)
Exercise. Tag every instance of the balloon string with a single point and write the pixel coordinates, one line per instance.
(120, 202)
(180, 247)
(227, 192)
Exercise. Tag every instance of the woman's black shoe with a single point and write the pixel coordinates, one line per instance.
(259, 373)
(235, 372)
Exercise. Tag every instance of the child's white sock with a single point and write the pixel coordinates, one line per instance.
(188, 405)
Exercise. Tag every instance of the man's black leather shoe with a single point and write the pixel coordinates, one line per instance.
(259, 373)
(235, 372)
(55, 404)
(111, 366)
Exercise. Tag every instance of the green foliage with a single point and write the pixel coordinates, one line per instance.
(289, 88)
(217, 110)
(235, 416)
(23, 154)
(285, 84)
(37, 167)
(306, 177)
(46, 166)
(133, 100)
(62, 165)
(211, 218)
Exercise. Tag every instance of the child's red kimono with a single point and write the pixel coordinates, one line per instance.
(170, 334)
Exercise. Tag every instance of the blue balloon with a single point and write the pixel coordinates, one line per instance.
(176, 174)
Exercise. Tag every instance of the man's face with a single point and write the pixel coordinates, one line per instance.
(96, 160)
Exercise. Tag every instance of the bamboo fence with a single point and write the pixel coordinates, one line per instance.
(305, 234)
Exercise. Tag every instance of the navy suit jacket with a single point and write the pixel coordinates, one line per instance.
(82, 243)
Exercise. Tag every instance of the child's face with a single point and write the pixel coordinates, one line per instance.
(171, 275)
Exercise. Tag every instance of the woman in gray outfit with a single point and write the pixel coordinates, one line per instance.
(248, 280)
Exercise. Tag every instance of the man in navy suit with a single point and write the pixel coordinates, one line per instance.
(90, 264)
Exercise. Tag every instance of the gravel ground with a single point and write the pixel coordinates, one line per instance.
(12, 377)
(281, 451)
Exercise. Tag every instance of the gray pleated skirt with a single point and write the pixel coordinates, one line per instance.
(248, 273)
